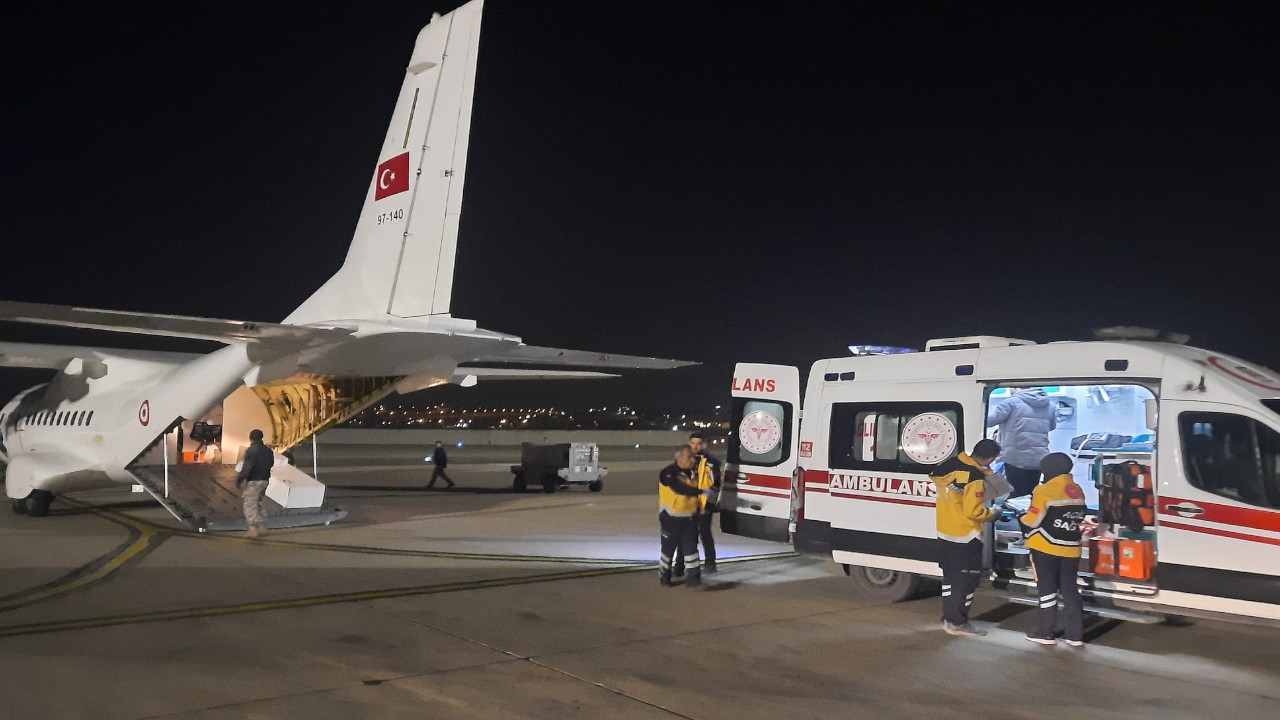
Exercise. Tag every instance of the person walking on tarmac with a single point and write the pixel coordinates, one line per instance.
(679, 500)
(962, 512)
(440, 460)
(254, 476)
(1052, 524)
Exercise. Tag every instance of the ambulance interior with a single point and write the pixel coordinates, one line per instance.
(1109, 432)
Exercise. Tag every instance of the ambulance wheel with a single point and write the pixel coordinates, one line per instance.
(549, 483)
(880, 585)
(518, 483)
(20, 506)
(38, 503)
(595, 485)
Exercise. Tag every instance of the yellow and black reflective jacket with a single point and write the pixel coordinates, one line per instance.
(678, 493)
(1053, 520)
(961, 494)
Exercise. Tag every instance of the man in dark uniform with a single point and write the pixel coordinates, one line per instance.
(679, 500)
(440, 459)
(254, 476)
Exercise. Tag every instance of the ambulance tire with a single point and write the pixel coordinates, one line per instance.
(595, 485)
(518, 484)
(549, 482)
(885, 586)
(38, 503)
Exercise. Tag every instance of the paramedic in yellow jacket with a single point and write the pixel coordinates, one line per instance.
(1052, 524)
(680, 499)
(962, 514)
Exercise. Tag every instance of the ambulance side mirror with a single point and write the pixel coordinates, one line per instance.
(1153, 413)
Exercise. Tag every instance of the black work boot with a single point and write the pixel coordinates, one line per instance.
(694, 578)
(664, 579)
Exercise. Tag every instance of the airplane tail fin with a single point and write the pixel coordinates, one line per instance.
(400, 262)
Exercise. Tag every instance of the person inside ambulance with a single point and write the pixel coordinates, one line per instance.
(962, 512)
(1053, 525)
(1025, 420)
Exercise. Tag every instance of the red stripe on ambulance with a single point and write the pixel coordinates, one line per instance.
(1221, 533)
(1247, 518)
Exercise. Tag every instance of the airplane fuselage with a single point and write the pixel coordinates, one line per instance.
(80, 431)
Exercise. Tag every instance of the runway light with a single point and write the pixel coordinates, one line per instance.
(637, 446)
(461, 444)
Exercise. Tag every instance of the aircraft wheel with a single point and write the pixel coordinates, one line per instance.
(518, 483)
(38, 503)
(20, 506)
(886, 586)
(549, 483)
(595, 485)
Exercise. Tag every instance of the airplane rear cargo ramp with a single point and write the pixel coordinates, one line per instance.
(205, 498)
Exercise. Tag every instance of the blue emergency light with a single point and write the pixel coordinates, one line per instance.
(879, 350)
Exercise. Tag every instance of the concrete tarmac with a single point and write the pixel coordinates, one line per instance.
(479, 602)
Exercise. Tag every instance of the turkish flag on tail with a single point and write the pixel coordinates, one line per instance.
(392, 177)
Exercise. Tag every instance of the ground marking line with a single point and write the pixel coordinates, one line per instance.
(140, 543)
(327, 599)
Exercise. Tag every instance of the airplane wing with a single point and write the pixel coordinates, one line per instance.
(461, 373)
(227, 331)
(534, 355)
(56, 357)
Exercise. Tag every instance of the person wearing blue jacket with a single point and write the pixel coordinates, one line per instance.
(1025, 419)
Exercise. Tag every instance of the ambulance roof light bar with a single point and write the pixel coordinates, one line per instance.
(861, 350)
(973, 341)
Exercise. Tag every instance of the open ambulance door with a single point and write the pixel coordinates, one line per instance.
(764, 433)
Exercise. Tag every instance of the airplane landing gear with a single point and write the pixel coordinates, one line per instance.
(38, 503)
(19, 506)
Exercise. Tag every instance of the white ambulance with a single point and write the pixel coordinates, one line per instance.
(847, 476)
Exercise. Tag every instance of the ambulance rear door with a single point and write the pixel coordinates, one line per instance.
(884, 441)
(764, 433)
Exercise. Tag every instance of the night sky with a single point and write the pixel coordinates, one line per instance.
(715, 181)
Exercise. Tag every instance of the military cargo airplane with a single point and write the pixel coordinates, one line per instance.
(381, 324)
